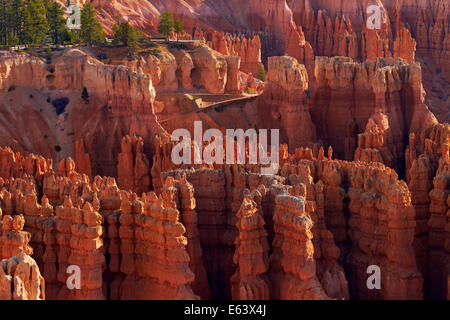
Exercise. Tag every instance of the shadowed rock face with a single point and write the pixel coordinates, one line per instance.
(120, 101)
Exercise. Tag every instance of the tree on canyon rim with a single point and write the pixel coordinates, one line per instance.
(56, 21)
(125, 34)
(166, 24)
(32, 22)
(178, 27)
(35, 24)
(14, 22)
(91, 28)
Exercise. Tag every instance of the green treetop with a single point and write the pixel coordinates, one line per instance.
(56, 21)
(261, 73)
(166, 24)
(4, 4)
(35, 25)
(15, 18)
(125, 34)
(178, 28)
(91, 29)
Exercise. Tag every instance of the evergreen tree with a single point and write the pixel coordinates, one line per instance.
(70, 36)
(91, 29)
(47, 3)
(35, 25)
(4, 4)
(132, 40)
(12, 40)
(126, 35)
(178, 27)
(15, 17)
(261, 73)
(166, 24)
(56, 21)
(117, 35)
(85, 95)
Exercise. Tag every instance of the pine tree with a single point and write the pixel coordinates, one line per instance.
(56, 21)
(117, 35)
(132, 40)
(178, 27)
(13, 40)
(70, 36)
(125, 34)
(91, 29)
(4, 21)
(261, 73)
(166, 24)
(15, 17)
(35, 25)
(85, 95)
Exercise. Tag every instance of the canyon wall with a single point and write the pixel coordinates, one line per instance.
(120, 102)
(387, 99)
(285, 100)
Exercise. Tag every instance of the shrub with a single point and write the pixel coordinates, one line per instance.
(151, 44)
(177, 45)
(102, 56)
(12, 88)
(155, 52)
(261, 73)
(57, 148)
(166, 24)
(85, 95)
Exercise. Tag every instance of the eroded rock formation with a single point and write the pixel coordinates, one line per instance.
(284, 102)
(250, 282)
(20, 279)
(133, 168)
